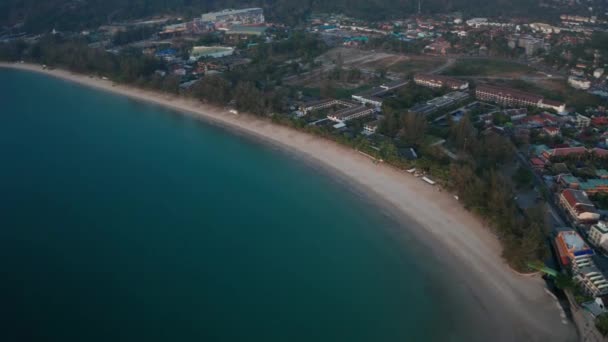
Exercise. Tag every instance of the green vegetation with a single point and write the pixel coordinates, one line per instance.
(523, 177)
(40, 16)
(601, 323)
(486, 67)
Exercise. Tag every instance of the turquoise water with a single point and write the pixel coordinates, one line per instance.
(122, 221)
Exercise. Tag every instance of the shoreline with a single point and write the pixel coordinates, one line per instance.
(510, 306)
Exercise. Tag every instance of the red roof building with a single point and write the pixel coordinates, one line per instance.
(599, 121)
(579, 206)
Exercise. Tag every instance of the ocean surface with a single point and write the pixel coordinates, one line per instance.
(124, 221)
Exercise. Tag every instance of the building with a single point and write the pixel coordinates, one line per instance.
(371, 127)
(506, 96)
(516, 98)
(557, 106)
(239, 33)
(229, 17)
(438, 81)
(479, 22)
(544, 28)
(581, 121)
(598, 235)
(348, 114)
(590, 278)
(196, 26)
(597, 73)
(374, 96)
(570, 246)
(579, 82)
(327, 103)
(210, 52)
(440, 102)
(578, 205)
(516, 114)
(531, 45)
(551, 131)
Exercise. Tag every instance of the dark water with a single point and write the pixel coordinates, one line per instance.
(121, 221)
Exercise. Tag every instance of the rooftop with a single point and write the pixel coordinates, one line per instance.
(573, 241)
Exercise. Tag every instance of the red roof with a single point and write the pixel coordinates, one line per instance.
(537, 162)
(599, 121)
(551, 129)
(600, 151)
(556, 152)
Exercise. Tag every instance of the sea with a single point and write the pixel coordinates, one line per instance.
(126, 221)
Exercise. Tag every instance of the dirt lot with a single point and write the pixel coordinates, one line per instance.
(369, 62)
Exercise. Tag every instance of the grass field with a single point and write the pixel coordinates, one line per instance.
(413, 66)
(486, 67)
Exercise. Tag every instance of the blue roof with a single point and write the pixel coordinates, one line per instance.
(166, 52)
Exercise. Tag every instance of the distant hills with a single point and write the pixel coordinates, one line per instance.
(43, 15)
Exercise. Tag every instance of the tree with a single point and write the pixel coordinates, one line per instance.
(414, 128)
(214, 89)
(248, 98)
(601, 323)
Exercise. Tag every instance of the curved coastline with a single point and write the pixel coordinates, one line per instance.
(510, 306)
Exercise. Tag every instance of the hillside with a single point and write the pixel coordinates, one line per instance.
(41, 15)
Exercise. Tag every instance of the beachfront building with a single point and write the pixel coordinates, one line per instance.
(229, 17)
(371, 127)
(516, 98)
(348, 114)
(439, 102)
(578, 205)
(374, 96)
(570, 246)
(438, 81)
(198, 52)
(598, 235)
(327, 103)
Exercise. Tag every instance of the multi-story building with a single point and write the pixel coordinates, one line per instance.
(591, 279)
(351, 113)
(581, 121)
(531, 45)
(438, 81)
(579, 82)
(514, 97)
(327, 103)
(371, 127)
(570, 246)
(374, 96)
(598, 235)
(578, 205)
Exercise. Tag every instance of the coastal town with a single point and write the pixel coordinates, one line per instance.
(462, 103)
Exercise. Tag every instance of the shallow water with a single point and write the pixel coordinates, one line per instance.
(123, 221)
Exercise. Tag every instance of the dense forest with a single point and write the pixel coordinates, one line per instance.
(41, 15)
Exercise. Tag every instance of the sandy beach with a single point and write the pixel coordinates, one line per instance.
(511, 307)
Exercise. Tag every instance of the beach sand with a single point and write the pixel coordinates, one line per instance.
(509, 306)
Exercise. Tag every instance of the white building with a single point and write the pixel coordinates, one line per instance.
(598, 235)
(245, 16)
(590, 278)
(581, 121)
(371, 127)
(597, 73)
(579, 82)
(210, 51)
(544, 28)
